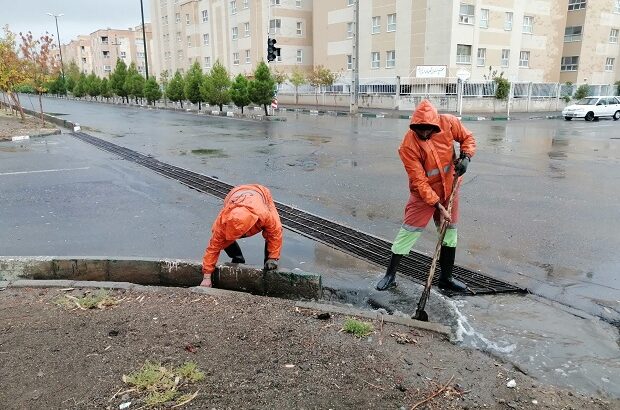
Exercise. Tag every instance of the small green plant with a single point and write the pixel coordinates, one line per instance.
(357, 328)
(566, 98)
(99, 300)
(617, 84)
(160, 384)
(503, 88)
(209, 151)
(582, 91)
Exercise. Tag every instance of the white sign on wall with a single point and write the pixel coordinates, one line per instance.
(431, 71)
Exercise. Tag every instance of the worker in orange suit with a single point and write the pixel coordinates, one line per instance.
(248, 210)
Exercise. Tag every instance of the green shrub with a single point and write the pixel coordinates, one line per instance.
(582, 91)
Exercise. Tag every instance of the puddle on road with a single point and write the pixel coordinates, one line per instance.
(215, 153)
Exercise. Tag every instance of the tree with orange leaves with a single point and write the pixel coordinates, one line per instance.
(40, 64)
(12, 72)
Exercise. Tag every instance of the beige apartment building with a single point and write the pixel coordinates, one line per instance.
(98, 51)
(591, 51)
(233, 32)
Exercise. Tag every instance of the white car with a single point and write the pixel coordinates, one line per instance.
(591, 108)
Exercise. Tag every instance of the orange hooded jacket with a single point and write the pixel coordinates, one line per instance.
(430, 164)
(248, 209)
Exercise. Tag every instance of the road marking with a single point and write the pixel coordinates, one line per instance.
(43, 170)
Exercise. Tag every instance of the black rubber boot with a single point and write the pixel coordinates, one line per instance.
(389, 280)
(234, 251)
(446, 263)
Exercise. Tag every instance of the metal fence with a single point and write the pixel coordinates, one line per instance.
(447, 87)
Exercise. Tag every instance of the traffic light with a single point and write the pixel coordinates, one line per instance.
(272, 50)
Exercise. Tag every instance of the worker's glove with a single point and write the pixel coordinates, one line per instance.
(461, 165)
(271, 264)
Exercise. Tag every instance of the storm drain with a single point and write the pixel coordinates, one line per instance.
(362, 245)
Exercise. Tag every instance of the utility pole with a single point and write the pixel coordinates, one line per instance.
(355, 75)
(146, 58)
(62, 66)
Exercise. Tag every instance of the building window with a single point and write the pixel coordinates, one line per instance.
(508, 21)
(390, 59)
(235, 58)
(569, 63)
(180, 54)
(349, 30)
(187, 20)
(576, 4)
(275, 26)
(375, 60)
(467, 13)
(609, 64)
(233, 7)
(299, 28)
(248, 60)
(463, 54)
(613, 36)
(300, 56)
(246, 29)
(123, 55)
(505, 57)
(235, 33)
(140, 54)
(107, 68)
(205, 16)
(207, 62)
(524, 59)
(391, 22)
(350, 2)
(376, 24)
(482, 56)
(484, 18)
(528, 24)
(106, 54)
(246, 4)
(104, 39)
(349, 62)
(205, 39)
(297, 3)
(178, 36)
(572, 33)
(177, 17)
(616, 6)
(189, 41)
(275, 2)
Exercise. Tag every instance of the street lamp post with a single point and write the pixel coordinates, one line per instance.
(146, 59)
(62, 67)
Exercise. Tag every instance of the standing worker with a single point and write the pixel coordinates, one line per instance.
(248, 210)
(427, 152)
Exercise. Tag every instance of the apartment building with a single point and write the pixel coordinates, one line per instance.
(591, 52)
(520, 38)
(233, 32)
(98, 51)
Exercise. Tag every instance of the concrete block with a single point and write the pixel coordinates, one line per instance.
(32, 283)
(240, 278)
(230, 114)
(140, 272)
(4, 284)
(20, 138)
(293, 285)
(102, 285)
(179, 273)
(80, 269)
(12, 268)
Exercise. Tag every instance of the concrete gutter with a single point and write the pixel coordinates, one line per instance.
(156, 272)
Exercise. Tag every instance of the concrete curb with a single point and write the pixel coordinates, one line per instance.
(38, 271)
(375, 315)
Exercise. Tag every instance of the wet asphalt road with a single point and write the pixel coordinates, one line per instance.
(539, 201)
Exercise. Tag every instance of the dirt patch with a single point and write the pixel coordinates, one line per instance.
(255, 352)
(12, 126)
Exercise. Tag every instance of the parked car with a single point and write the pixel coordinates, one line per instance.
(591, 108)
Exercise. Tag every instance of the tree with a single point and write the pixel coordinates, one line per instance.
(297, 78)
(582, 91)
(106, 91)
(12, 72)
(134, 83)
(216, 86)
(93, 86)
(72, 75)
(321, 76)
(152, 92)
(239, 92)
(193, 81)
(262, 88)
(40, 65)
(164, 79)
(57, 86)
(502, 85)
(279, 77)
(81, 86)
(117, 80)
(175, 87)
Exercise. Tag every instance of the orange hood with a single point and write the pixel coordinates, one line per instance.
(238, 222)
(425, 113)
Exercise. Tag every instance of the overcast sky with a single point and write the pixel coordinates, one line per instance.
(80, 16)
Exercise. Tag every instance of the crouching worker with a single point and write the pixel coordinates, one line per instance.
(427, 153)
(248, 210)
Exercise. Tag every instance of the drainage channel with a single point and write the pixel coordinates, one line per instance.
(362, 245)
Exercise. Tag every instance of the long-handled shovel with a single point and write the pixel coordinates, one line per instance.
(420, 314)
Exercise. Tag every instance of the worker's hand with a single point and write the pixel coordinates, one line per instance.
(206, 281)
(443, 214)
(461, 165)
(271, 264)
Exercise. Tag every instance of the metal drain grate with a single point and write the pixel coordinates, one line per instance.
(365, 246)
